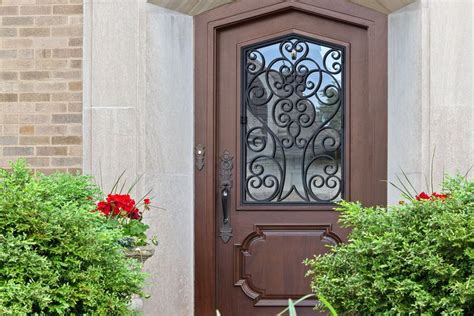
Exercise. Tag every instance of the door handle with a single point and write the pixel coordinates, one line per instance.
(225, 197)
(226, 167)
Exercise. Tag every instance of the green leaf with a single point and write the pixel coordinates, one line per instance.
(290, 303)
(328, 305)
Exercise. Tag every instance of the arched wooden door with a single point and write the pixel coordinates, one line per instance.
(290, 119)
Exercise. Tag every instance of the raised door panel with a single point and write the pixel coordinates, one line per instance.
(270, 257)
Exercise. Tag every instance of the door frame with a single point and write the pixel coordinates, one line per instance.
(206, 26)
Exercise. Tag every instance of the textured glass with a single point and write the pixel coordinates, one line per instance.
(292, 122)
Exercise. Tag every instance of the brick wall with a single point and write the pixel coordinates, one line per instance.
(41, 83)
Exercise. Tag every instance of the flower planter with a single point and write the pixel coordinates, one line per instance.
(141, 253)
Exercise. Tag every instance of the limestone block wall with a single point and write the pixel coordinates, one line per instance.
(41, 83)
(169, 159)
(114, 88)
(138, 115)
(430, 103)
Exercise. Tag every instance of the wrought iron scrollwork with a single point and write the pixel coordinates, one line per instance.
(292, 135)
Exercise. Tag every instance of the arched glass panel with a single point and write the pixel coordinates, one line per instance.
(292, 121)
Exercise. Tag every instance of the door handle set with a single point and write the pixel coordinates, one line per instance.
(225, 172)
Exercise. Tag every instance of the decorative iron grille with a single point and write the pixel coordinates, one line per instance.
(292, 121)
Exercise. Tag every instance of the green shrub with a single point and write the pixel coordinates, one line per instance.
(415, 258)
(56, 256)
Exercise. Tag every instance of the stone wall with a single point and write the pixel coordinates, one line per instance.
(41, 83)
(169, 122)
(430, 99)
(138, 116)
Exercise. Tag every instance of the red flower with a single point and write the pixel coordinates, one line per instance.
(434, 195)
(146, 201)
(422, 196)
(438, 196)
(104, 208)
(121, 201)
(119, 205)
(135, 214)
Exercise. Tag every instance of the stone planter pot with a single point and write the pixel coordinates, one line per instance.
(141, 253)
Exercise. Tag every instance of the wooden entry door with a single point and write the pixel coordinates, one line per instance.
(290, 119)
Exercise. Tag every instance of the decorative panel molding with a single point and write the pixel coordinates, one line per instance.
(260, 272)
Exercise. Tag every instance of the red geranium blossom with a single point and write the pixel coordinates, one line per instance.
(439, 196)
(119, 205)
(104, 207)
(422, 196)
(146, 201)
(122, 201)
(135, 214)
(434, 195)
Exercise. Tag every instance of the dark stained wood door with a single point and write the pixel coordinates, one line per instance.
(291, 110)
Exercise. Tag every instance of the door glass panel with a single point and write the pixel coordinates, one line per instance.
(292, 121)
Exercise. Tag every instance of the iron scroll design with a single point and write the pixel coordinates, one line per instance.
(292, 121)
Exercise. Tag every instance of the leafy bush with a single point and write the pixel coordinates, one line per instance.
(415, 258)
(56, 256)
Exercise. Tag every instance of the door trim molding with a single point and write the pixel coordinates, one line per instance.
(206, 26)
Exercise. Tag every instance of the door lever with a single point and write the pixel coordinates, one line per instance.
(225, 210)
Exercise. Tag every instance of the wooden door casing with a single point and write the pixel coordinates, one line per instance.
(367, 145)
